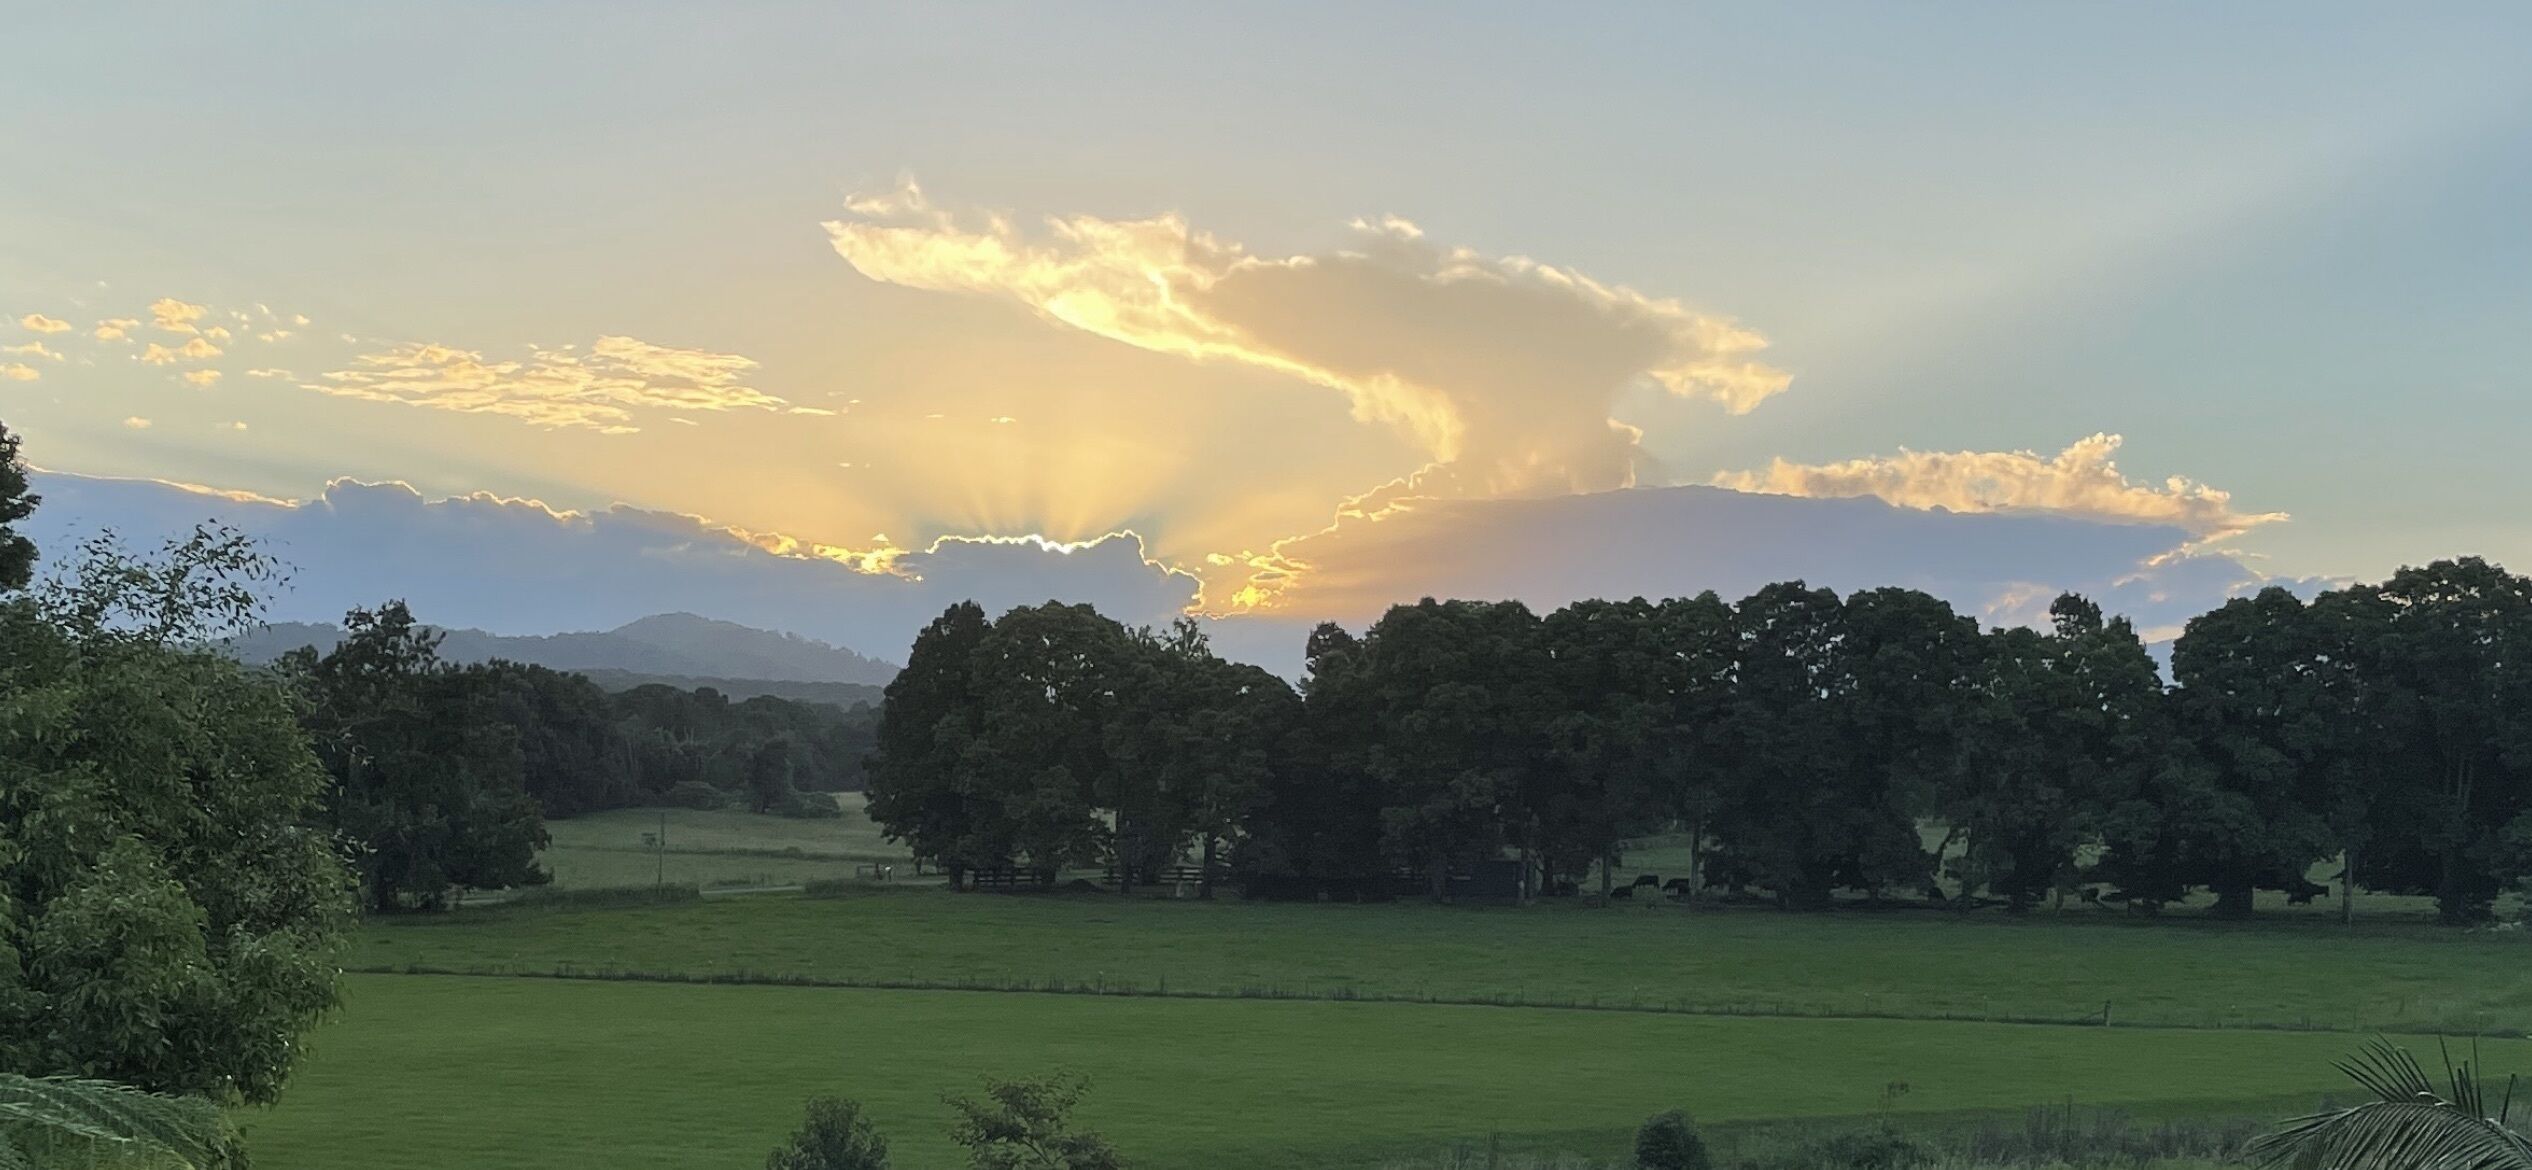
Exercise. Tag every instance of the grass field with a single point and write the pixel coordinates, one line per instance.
(717, 848)
(447, 1072)
(1910, 963)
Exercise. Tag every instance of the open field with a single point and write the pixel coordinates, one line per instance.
(436, 1073)
(714, 848)
(1913, 964)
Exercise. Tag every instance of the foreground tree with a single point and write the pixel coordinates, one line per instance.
(834, 1136)
(17, 553)
(1027, 1125)
(427, 782)
(1460, 696)
(169, 918)
(2411, 1124)
(924, 778)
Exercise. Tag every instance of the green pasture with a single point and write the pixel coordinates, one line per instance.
(439, 1073)
(719, 848)
(1914, 963)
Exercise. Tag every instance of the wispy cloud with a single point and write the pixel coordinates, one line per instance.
(116, 329)
(599, 389)
(1502, 367)
(202, 378)
(19, 372)
(32, 349)
(136, 423)
(193, 350)
(43, 324)
(2081, 481)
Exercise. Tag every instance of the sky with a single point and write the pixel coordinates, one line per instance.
(823, 316)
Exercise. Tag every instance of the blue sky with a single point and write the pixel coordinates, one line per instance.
(2279, 249)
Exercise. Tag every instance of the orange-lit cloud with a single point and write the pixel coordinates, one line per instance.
(2081, 481)
(194, 349)
(19, 372)
(136, 423)
(174, 316)
(1503, 368)
(43, 324)
(116, 329)
(31, 349)
(202, 378)
(599, 389)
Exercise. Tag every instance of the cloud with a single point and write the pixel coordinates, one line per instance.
(174, 316)
(518, 566)
(268, 372)
(136, 423)
(116, 329)
(1678, 541)
(193, 350)
(1504, 369)
(43, 324)
(203, 378)
(31, 349)
(2082, 481)
(19, 372)
(217, 333)
(554, 387)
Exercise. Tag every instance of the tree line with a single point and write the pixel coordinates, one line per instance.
(1807, 746)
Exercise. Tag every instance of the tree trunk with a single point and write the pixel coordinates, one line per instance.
(2234, 897)
(1438, 880)
(2347, 886)
(1608, 862)
(958, 877)
(1204, 882)
(1696, 860)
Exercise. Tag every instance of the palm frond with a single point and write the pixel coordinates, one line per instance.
(50, 1112)
(2409, 1126)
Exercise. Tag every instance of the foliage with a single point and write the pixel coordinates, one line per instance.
(169, 918)
(1027, 1125)
(62, 1121)
(834, 1136)
(2412, 1124)
(1669, 1141)
(17, 553)
(427, 781)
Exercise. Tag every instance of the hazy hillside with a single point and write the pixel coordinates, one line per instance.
(677, 648)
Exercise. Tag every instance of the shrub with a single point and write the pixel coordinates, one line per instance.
(834, 1136)
(1026, 1125)
(1882, 1147)
(694, 794)
(1669, 1141)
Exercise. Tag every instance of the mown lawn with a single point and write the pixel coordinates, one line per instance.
(438, 1073)
(1912, 963)
(714, 848)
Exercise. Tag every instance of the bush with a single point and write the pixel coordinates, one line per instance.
(1669, 1141)
(834, 1136)
(603, 897)
(694, 794)
(1882, 1147)
(1027, 1125)
(809, 806)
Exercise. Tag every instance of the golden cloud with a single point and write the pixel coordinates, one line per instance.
(43, 324)
(116, 329)
(598, 390)
(19, 372)
(202, 378)
(2081, 481)
(1504, 368)
(31, 349)
(174, 316)
(136, 423)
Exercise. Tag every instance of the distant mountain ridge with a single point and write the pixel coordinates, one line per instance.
(678, 648)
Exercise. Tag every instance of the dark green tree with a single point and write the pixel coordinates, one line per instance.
(926, 776)
(427, 782)
(1669, 1141)
(1314, 829)
(17, 553)
(1460, 696)
(1613, 686)
(169, 915)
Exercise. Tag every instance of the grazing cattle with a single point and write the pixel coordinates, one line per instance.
(1646, 879)
(1623, 892)
(2301, 892)
(1677, 887)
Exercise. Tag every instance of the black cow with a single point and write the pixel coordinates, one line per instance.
(1678, 887)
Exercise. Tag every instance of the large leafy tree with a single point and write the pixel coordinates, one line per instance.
(17, 553)
(428, 782)
(2245, 798)
(1314, 828)
(926, 776)
(1460, 696)
(169, 915)
(1612, 682)
(2446, 693)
